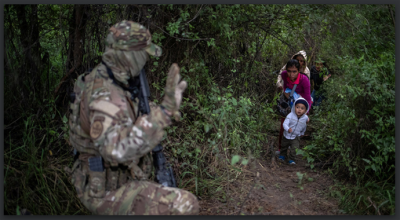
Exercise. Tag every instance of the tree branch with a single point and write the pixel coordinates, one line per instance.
(179, 37)
(270, 32)
(197, 14)
(391, 13)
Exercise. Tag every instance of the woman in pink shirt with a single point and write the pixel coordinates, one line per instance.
(290, 77)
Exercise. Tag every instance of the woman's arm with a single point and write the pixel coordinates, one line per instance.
(306, 92)
(284, 79)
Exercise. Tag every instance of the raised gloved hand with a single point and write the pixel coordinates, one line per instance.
(173, 92)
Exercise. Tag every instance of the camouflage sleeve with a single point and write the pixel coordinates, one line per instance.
(120, 140)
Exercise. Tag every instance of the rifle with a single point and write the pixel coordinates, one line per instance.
(140, 89)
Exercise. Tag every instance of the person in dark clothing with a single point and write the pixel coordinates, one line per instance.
(319, 74)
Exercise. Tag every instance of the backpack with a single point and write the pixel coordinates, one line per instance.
(79, 124)
(283, 103)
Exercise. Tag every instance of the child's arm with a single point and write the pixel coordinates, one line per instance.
(303, 131)
(286, 123)
(305, 127)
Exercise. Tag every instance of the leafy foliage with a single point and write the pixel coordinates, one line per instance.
(356, 124)
(227, 53)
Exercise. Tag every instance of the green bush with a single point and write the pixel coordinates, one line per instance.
(355, 126)
(215, 126)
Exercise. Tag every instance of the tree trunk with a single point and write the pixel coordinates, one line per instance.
(77, 27)
(30, 48)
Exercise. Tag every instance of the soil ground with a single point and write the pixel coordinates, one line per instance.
(273, 188)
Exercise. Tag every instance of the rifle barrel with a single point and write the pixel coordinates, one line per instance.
(145, 90)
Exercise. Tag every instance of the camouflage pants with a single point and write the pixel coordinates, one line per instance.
(143, 198)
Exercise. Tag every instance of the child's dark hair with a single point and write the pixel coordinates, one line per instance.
(293, 63)
(303, 102)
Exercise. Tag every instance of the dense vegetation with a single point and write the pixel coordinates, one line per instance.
(228, 55)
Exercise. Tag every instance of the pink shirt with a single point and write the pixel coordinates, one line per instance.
(303, 87)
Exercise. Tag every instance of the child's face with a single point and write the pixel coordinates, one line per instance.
(300, 109)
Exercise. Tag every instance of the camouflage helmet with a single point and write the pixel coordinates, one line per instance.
(129, 35)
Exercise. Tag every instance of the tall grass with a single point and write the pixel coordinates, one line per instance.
(34, 159)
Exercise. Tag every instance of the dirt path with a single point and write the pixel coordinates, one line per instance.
(276, 191)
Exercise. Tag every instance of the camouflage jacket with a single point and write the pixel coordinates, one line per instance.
(104, 121)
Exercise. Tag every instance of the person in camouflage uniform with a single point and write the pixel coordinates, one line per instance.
(105, 123)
